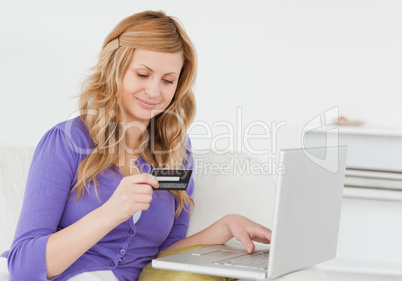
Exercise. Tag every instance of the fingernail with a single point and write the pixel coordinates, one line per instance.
(153, 177)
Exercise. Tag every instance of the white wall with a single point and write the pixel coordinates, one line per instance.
(273, 60)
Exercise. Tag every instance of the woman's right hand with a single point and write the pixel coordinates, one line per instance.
(133, 194)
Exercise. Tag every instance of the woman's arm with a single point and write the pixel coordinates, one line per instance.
(47, 189)
(225, 229)
(64, 247)
(67, 245)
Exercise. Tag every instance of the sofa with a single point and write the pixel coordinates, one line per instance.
(221, 187)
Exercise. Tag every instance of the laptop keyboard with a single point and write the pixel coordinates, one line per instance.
(256, 260)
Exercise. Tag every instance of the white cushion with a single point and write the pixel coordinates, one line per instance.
(14, 166)
(226, 184)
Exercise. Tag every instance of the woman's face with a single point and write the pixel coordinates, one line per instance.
(149, 84)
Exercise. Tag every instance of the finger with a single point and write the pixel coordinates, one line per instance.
(143, 198)
(263, 235)
(142, 206)
(245, 239)
(144, 178)
(261, 240)
(268, 235)
(142, 189)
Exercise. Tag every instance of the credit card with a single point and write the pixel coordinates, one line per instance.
(172, 179)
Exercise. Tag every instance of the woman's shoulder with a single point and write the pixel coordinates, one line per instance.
(75, 134)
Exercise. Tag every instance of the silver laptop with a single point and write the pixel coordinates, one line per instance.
(305, 227)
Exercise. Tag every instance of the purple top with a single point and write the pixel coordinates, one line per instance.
(47, 208)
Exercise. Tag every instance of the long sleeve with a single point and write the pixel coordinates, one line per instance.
(51, 175)
(180, 225)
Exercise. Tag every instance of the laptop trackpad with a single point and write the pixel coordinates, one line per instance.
(217, 252)
(210, 250)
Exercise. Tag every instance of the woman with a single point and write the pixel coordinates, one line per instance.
(89, 202)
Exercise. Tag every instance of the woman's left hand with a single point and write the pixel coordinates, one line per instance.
(246, 231)
(243, 229)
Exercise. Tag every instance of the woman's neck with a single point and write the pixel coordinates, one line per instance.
(133, 133)
(129, 148)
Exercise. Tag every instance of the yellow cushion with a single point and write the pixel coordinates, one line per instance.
(153, 274)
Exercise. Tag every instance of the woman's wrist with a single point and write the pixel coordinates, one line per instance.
(226, 230)
(106, 215)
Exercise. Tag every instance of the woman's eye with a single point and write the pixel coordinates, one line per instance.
(168, 81)
(142, 75)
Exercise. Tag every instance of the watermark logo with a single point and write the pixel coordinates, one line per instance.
(330, 160)
(238, 137)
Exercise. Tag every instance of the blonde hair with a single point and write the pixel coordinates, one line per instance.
(153, 31)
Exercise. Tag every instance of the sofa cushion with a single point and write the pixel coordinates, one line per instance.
(14, 166)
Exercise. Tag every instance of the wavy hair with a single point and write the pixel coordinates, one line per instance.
(163, 142)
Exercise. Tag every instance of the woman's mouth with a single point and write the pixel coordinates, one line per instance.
(146, 104)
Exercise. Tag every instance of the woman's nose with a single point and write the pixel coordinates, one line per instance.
(152, 88)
